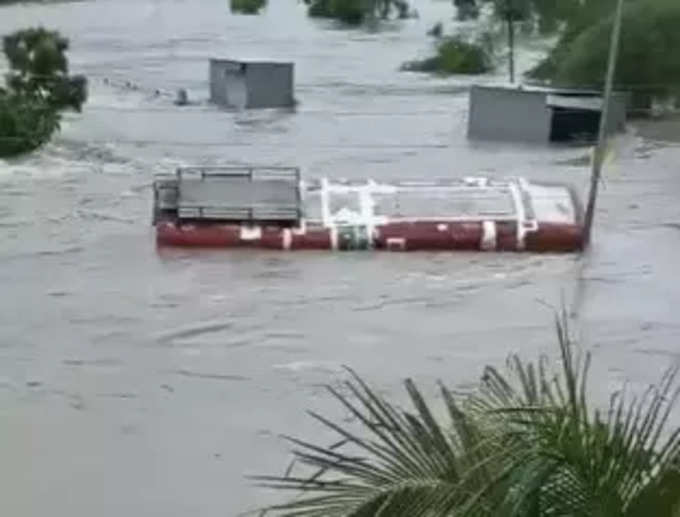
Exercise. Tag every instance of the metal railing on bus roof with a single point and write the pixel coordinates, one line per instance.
(251, 172)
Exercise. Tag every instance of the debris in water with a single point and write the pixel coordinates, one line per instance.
(182, 97)
(119, 395)
(77, 402)
(213, 376)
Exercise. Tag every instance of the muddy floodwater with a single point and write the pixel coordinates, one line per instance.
(145, 383)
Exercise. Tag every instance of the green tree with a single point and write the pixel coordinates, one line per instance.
(247, 6)
(647, 54)
(575, 21)
(454, 55)
(26, 123)
(38, 87)
(354, 12)
(39, 67)
(544, 16)
(466, 9)
(526, 444)
(530, 16)
(646, 66)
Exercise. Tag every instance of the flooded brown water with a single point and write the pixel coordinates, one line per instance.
(134, 382)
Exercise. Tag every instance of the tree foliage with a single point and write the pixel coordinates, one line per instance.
(39, 66)
(454, 55)
(543, 16)
(26, 123)
(466, 9)
(527, 443)
(530, 17)
(647, 64)
(38, 87)
(354, 12)
(247, 6)
(647, 54)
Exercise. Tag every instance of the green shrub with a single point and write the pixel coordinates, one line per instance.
(453, 56)
(26, 123)
(348, 11)
(247, 6)
(466, 9)
(319, 9)
(354, 12)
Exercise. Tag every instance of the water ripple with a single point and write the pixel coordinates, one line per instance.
(191, 332)
(211, 376)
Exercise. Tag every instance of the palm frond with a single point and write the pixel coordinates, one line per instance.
(527, 443)
(575, 461)
(404, 464)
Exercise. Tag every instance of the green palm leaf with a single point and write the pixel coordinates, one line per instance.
(527, 443)
(403, 464)
(574, 461)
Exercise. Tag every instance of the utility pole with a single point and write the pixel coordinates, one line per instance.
(510, 15)
(511, 45)
(598, 157)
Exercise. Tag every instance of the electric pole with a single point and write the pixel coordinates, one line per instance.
(598, 157)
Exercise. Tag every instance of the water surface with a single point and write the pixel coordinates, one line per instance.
(144, 383)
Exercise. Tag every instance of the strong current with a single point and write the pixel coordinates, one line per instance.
(141, 382)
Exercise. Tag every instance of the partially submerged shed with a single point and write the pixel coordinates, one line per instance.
(251, 84)
(536, 114)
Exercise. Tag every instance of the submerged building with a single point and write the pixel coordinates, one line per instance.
(251, 84)
(537, 114)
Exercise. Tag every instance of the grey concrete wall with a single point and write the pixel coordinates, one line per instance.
(235, 83)
(504, 114)
(218, 80)
(263, 85)
(617, 112)
(270, 85)
(228, 83)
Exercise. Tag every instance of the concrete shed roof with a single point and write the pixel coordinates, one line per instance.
(577, 103)
(252, 61)
(529, 88)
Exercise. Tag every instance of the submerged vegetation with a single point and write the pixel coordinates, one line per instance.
(647, 65)
(38, 88)
(466, 9)
(355, 12)
(527, 443)
(649, 41)
(247, 6)
(25, 124)
(453, 55)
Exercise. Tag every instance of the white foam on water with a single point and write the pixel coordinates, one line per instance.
(301, 366)
(40, 165)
